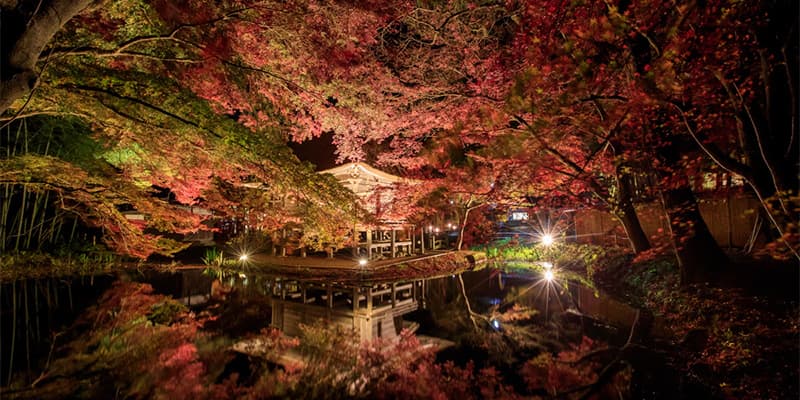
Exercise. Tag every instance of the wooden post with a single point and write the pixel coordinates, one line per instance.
(413, 248)
(303, 291)
(369, 244)
(355, 301)
(422, 293)
(393, 243)
(369, 300)
(422, 240)
(330, 297)
(356, 241)
(394, 294)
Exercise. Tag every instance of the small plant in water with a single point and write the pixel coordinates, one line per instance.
(215, 259)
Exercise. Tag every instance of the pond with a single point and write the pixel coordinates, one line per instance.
(517, 323)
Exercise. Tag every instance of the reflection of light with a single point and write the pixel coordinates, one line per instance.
(362, 262)
(436, 230)
(547, 239)
(547, 265)
(243, 276)
(495, 324)
(548, 275)
(243, 257)
(430, 227)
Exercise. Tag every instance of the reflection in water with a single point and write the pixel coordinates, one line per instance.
(480, 310)
(34, 309)
(34, 312)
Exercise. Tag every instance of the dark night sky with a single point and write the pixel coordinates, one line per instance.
(318, 151)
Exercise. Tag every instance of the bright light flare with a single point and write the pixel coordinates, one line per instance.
(362, 262)
(244, 257)
(547, 239)
(549, 275)
(547, 265)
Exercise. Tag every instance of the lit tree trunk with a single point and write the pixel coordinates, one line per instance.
(26, 36)
(461, 229)
(469, 207)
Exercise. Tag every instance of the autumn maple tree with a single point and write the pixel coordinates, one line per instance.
(598, 103)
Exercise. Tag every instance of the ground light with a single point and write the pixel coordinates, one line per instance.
(362, 262)
(549, 276)
(547, 239)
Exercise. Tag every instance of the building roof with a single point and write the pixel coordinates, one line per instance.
(361, 178)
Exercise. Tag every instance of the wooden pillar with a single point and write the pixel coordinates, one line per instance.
(394, 240)
(369, 244)
(422, 239)
(369, 300)
(330, 297)
(413, 245)
(356, 241)
(394, 294)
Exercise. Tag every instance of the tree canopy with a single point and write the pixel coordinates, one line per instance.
(489, 101)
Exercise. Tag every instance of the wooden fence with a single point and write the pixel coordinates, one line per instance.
(731, 221)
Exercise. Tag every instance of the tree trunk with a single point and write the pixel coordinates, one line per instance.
(463, 226)
(633, 228)
(28, 37)
(626, 213)
(699, 256)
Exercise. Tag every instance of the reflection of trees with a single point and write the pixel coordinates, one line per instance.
(473, 316)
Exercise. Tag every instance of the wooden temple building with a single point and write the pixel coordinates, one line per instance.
(389, 238)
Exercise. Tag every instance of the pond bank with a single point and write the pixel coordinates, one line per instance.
(739, 342)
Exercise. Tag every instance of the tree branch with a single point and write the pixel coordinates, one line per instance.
(27, 50)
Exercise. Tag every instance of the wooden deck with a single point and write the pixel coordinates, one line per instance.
(428, 265)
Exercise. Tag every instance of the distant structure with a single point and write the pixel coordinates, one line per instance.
(390, 237)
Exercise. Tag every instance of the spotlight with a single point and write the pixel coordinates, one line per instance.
(549, 276)
(547, 265)
(362, 262)
(547, 239)
(495, 324)
(243, 257)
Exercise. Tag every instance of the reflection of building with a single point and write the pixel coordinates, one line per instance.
(371, 310)
(391, 236)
